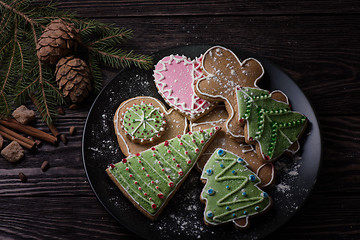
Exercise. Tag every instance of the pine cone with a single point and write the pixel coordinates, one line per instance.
(57, 40)
(73, 78)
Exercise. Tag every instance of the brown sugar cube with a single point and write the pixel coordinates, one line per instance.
(13, 152)
(23, 115)
(1, 141)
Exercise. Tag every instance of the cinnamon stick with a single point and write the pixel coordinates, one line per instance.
(13, 136)
(51, 126)
(34, 132)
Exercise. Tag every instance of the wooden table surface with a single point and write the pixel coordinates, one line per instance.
(316, 42)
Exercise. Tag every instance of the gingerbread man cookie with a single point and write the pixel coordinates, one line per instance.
(223, 72)
(143, 121)
(218, 117)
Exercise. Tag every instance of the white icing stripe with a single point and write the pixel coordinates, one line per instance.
(272, 173)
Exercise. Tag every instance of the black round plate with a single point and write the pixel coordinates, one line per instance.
(183, 216)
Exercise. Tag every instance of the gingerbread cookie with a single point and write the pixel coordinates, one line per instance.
(141, 122)
(223, 73)
(174, 77)
(269, 122)
(231, 193)
(218, 117)
(150, 178)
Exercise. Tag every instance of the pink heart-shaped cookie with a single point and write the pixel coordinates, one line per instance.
(174, 77)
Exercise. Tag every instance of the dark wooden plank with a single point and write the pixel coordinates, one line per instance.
(58, 218)
(319, 52)
(121, 8)
(339, 173)
(85, 218)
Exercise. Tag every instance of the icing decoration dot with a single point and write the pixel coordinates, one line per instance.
(147, 175)
(221, 152)
(257, 208)
(153, 206)
(126, 169)
(138, 154)
(245, 212)
(153, 149)
(160, 195)
(130, 175)
(227, 187)
(112, 166)
(217, 128)
(189, 133)
(264, 194)
(168, 177)
(233, 172)
(142, 168)
(136, 182)
(201, 131)
(244, 194)
(124, 160)
(157, 187)
(180, 173)
(171, 184)
(166, 143)
(209, 171)
(211, 191)
(228, 208)
(178, 136)
(252, 178)
(222, 165)
(140, 188)
(209, 214)
(145, 194)
(189, 161)
(202, 141)
(139, 161)
(152, 182)
(197, 150)
(234, 215)
(240, 160)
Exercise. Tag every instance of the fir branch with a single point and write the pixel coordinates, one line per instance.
(23, 75)
(29, 20)
(118, 58)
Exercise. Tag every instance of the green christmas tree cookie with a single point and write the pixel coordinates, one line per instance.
(269, 123)
(143, 122)
(150, 178)
(231, 193)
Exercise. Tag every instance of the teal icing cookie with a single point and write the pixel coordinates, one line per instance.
(231, 191)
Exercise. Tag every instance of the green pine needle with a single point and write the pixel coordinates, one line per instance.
(21, 73)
